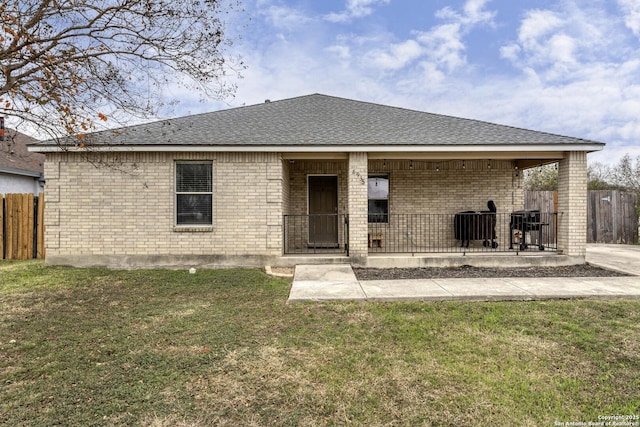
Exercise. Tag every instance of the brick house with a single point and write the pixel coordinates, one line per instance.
(312, 179)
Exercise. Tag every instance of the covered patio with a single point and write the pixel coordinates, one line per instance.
(370, 205)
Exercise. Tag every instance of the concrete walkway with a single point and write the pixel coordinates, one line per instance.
(338, 282)
(624, 258)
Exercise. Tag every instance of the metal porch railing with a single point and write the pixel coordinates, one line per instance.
(464, 232)
(316, 234)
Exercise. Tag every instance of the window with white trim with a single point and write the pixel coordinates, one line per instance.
(194, 194)
(378, 198)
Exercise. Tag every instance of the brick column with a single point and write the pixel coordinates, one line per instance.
(274, 192)
(357, 207)
(572, 204)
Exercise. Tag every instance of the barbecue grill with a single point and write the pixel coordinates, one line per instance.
(474, 225)
(525, 221)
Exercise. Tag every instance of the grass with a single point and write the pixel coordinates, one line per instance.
(169, 348)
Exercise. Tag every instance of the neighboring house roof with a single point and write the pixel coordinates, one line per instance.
(324, 122)
(16, 159)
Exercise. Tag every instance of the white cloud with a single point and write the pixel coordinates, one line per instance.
(537, 24)
(562, 48)
(337, 17)
(557, 44)
(341, 51)
(359, 8)
(285, 18)
(397, 55)
(444, 43)
(355, 9)
(442, 46)
(472, 13)
(540, 41)
(631, 9)
(510, 51)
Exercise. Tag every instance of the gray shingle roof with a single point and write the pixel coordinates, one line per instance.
(321, 120)
(15, 157)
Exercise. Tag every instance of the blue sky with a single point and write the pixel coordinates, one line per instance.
(564, 66)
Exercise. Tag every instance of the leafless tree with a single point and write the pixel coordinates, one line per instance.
(541, 178)
(68, 64)
(627, 174)
(599, 177)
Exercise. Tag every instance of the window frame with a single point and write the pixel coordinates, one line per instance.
(385, 216)
(206, 225)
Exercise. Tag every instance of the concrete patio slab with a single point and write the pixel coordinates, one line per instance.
(624, 258)
(484, 289)
(321, 273)
(338, 282)
(400, 290)
(566, 287)
(325, 283)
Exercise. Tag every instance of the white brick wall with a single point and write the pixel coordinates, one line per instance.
(357, 206)
(572, 204)
(417, 187)
(127, 208)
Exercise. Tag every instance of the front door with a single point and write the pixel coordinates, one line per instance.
(323, 211)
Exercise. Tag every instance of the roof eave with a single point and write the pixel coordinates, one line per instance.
(21, 172)
(586, 146)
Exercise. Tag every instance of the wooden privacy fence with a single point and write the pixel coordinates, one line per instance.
(22, 226)
(612, 217)
(545, 201)
(611, 214)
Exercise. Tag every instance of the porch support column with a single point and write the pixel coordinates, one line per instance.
(275, 199)
(358, 207)
(572, 204)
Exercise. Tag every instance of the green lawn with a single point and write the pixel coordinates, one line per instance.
(165, 348)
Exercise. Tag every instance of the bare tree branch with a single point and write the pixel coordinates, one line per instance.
(65, 64)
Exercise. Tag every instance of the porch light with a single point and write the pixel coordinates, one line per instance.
(464, 164)
(410, 164)
(489, 164)
(384, 163)
(437, 167)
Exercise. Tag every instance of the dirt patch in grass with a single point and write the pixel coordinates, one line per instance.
(467, 271)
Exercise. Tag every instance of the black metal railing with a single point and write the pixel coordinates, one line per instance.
(316, 234)
(464, 232)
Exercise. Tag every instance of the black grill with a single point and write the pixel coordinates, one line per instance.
(523, 222)
(474, 225)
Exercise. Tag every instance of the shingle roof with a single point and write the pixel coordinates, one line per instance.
(15, 157)
(321, 120)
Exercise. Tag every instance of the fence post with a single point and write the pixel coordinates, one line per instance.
(9, 226)
(40, 251)
(28, 228)
(2, 226)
